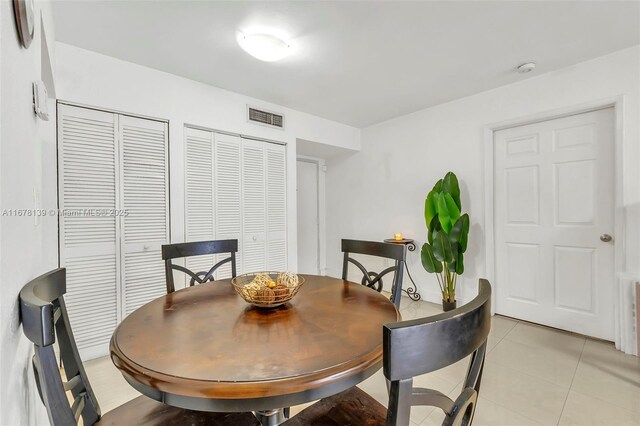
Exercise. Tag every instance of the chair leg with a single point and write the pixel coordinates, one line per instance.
(400, 395)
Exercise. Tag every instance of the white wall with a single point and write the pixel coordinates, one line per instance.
(27, 167)
(93, 79)
(402, 158)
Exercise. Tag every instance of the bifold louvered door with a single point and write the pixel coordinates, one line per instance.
(246, 183)
(254, 206)
(108, 164)
(276, 218)
(89, 244)
(264, 225)
(144, 197)
(228, 189)
(198, 195)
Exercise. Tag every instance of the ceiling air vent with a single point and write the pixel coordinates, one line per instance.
(266, 117)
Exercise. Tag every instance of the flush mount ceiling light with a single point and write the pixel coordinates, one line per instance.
(264, 46)
(526, 67)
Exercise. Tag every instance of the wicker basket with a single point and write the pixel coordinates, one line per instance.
(267, 289)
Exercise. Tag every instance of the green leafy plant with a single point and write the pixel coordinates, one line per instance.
(447, 234)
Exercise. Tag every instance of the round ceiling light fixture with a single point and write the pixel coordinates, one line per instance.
(264, 46)
(526, 67)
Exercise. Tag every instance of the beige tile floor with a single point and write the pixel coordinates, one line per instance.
(533, 376)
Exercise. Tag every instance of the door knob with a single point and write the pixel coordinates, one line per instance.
(606, 238)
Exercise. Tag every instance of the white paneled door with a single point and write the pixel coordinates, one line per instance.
(554, 211)
(113, 190)
(308, 220)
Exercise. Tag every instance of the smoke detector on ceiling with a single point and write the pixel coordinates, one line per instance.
(526, 67)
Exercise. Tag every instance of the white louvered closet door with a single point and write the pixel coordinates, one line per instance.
(264, 218)
(249, 198)
(144, 196)
(199, 195)
(88, 178)
(109, 163)
(276, 198)
(254, 203)
(228, 189)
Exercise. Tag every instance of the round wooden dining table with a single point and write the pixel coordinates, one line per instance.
(204, 348)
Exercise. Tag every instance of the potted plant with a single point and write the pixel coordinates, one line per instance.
(447, 234)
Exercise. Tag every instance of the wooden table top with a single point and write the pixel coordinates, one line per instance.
(205, 341)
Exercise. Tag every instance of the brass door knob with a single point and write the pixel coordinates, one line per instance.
(606, 238)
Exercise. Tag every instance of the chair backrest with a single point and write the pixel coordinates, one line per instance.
(199, 248)
(420, 346)
(44, 318)
(396, 252)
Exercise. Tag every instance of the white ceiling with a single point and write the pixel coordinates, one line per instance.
(357, 63)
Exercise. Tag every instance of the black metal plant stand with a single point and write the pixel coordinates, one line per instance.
(412, 292)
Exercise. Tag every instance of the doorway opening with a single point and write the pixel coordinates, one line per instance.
(308, 190)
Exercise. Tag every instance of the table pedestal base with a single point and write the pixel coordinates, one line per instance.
(270, 417)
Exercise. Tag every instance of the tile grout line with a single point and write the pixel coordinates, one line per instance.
(600, 399)
(575, 371)
(495, 401)
(462, 381)
(499, 340)
(546, 328)
(532, 376)
(505, 335)
(527, 374)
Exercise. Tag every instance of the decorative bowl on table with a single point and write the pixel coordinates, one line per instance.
(267, 289)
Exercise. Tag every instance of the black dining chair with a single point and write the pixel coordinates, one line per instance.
(199, 248)
(412, 348)
(395, 252)
(44, 321)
